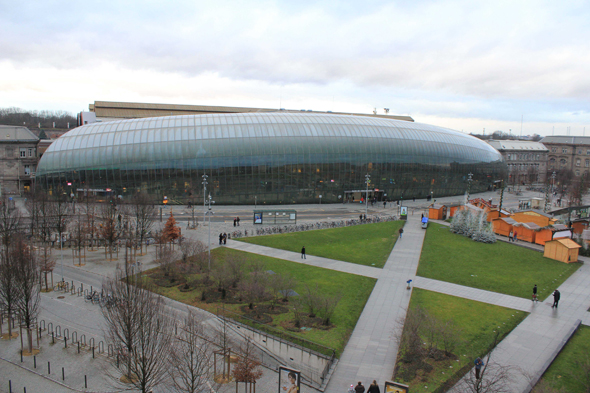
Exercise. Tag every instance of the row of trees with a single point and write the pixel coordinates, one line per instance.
(473, 225)
(19, 117)
(151, 351)
(20, 274)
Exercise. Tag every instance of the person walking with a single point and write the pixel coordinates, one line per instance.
(535, 299)
(234, 222)
(374, 388)
(556, 296)
(510, 236)
(303, 253)
(359, 388)
(361, 217)
(401, 232)
(478, 365)
(224, 238)
(238, 220)
(384, 204)
(515, 238)
(220, 238)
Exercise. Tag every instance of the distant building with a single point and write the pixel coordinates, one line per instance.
(568, 152)
(526, 160)
(18, 159)
(102, 111)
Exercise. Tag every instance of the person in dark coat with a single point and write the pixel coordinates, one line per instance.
(556, 296)
(220, 238)
(478, 365)
(238, 220)
(374, 388)
(401, 232)
(234, 222)
(535, 293)
(303, 253)
(359, 388)
(224, 238)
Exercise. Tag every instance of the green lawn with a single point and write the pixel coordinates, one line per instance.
(478, 323)
(499, 267)
(572, 364)
(368, 244)
(355, 291)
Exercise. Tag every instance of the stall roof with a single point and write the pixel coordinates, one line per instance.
(560, 227)
(509, 220)
(569, 243)
(529, 225)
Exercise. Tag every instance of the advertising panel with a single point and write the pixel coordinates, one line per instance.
(289, 380)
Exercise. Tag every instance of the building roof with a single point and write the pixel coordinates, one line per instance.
(133, 110)
(570, 140)
(569, 243)
(16, 134)
(528, 225)
(511, 145)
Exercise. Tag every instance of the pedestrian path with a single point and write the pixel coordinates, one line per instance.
(536, 341)
(326, 263)
(372, 348)
(479, 295)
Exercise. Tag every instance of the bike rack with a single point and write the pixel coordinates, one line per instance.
(50, 328)
(91, 342)
(42, 325)
(101, 347)
(66, 333)
(83, 340)
(110, 350)
(85, 293)
(56, 331)
(73, 290)
(74, 337)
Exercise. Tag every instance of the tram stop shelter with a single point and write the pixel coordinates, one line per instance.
(564, 250)
(273, 217)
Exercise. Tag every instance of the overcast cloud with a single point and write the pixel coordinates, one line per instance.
(460, 64)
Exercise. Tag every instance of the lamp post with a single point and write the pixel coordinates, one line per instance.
(204, 195)
(367, 181)
(469, 180)
(320, 199)
(209, 213)
(255, 197)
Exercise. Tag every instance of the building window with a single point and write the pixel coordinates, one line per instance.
(577, 172)
(578, 162)
(564, 151)
(27, 170)
(587, 163)
(579, 151)
(31, 150)
(23, 152)
(563, 162)
(554, 150)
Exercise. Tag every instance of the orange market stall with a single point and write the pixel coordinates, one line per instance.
(503, 226)
(526, 231)
(564, 250)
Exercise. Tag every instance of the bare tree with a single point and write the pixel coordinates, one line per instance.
(167, 261)
(311, 300)
(191, 357)
(46, 265)
(10, 219)
(8, 287)
(27, 279)
(144, 213)
(328, 306)
(110, 230)
(247, 369)
(280, 284)
(138, 327)
(254, 287)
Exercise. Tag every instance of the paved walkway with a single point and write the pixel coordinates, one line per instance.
(326, 263)
(372, 348)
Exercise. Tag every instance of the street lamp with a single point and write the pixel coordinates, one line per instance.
(204, 195)
(367, 181)
(320, 199)
(209, 213)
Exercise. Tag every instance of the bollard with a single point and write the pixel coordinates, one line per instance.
(78, 346)
(52, 338)
(85, 382)
(21, 355)
(24, 390)
(9, 386)
(63, 374)
(35, 361)
(93, 352)
(66, 342)
(48, 368)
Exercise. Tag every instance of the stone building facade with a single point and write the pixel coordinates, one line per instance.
(18, 159)
(526, 160)
(568, 152)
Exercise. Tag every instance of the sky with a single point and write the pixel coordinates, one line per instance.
(516, 66)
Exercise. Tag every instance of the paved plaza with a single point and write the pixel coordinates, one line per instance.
(372, 348)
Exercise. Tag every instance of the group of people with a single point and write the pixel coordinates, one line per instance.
(223, 238)
(513, 237)
(237, 221)
(374, 388)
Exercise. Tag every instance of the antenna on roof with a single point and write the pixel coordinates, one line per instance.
(386, 110)
(374, 111)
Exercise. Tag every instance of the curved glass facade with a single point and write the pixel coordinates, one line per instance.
(276, 157)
